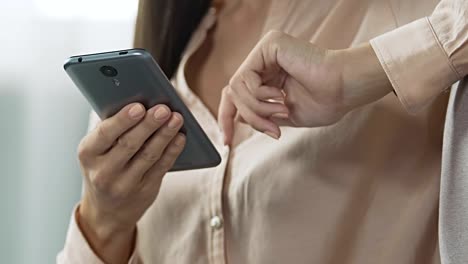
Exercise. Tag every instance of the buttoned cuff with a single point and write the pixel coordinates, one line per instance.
(78, 251)
(415, 63)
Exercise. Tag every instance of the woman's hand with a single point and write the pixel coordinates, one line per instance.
(290, 82)
(123, 161)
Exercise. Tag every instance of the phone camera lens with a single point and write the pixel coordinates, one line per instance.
(108, 71)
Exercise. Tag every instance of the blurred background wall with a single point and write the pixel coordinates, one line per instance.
(43, 116)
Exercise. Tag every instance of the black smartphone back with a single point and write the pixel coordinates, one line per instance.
(111, 80)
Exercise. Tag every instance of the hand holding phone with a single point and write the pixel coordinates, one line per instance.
(123, 161)
(146, 131)
(112, 80)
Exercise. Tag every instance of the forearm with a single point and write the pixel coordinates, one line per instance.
(114, 245)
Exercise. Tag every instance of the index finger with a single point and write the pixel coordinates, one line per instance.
(226, 114)
(102, 138)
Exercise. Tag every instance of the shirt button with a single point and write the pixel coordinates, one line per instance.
(216, 222)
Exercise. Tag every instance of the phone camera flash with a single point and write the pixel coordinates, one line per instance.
(116, 82)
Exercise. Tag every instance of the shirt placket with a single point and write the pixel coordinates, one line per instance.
(215, 218)
(216, 222)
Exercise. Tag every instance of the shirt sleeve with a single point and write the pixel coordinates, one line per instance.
(78, 251)
(427, 56)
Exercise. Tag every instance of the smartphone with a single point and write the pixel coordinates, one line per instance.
(112, 80)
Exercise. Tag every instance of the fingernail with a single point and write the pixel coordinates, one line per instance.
(136, 111)
(174, 122)
(161, 113)
(271, 134)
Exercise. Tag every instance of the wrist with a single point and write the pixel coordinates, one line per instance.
(364, 79)
(99, 226)
(112, 243)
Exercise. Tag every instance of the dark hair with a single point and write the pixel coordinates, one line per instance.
(164, 28)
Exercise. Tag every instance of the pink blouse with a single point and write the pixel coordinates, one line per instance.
(362, 191)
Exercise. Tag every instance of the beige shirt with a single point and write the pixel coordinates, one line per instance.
(362, 191)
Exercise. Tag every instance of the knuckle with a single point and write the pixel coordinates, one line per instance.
(256, 105)
(174, 150)
(122, 119)
(274, 34)
(101, 181)
(230, 92)
(150, 156)
(272, 41)
(120, 191)
(82, 150)
(259, 91)
(127, 144)
(168, 133)
(102, 133)
(242, 76)
(244, 79)
(167, 162)
(225, 91)
(234, 81)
